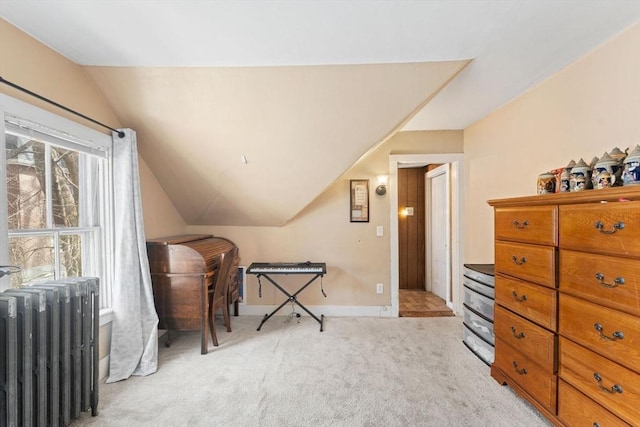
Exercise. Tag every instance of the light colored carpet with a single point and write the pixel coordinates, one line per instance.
(358, 372)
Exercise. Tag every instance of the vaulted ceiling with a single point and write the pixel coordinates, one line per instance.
(247, 111)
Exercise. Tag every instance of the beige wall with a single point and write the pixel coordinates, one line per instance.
(586, 109)
(356, 259)
(161, 218)
(28, 63)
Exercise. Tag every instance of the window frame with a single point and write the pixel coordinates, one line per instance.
(78, 138)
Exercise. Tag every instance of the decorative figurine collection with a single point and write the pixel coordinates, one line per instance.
(631, 170)
(613, 169)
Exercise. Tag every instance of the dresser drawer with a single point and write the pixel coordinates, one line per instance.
(536, 342)
(605, 280)
(592, 227)
(610, 333)
(538, 382)
(582, 368)
(529, 262)
(533, 302)
(576, 409)
(535, 224)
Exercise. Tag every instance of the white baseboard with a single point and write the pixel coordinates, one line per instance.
(103, 368)
(327, 310)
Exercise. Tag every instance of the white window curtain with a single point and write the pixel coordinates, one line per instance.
(134, 339)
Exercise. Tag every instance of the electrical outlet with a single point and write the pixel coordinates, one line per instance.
(379, 288)
(379, 231)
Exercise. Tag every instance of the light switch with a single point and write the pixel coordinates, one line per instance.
(379, 231)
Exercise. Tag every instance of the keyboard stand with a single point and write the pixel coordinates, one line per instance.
(291, 298)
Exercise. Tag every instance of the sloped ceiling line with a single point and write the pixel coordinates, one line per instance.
(302, 127)
(303, 89)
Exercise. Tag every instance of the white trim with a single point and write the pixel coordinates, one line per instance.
(457, 220)
(63, 231)
(457, 235)
(327, 310)
(54, 138)
(428, 285)
(103, 368)
(16, 108)
(4, 212)
(106, 316)
(72, 136)
(440, 170)
(107, 244)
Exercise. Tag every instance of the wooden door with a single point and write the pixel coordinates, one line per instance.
(411, 228)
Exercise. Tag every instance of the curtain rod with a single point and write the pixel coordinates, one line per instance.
(42, 98)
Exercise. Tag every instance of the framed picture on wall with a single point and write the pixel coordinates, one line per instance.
(359, 200)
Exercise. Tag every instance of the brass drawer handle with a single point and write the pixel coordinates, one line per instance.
(617, 335)
(617, 226)
(517, 336)
(517, 261)
(522, 371)
(519, 225)
(613, 389)
(523, 298)
(616, 282)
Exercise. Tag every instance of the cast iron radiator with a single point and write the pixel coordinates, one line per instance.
(49, 352)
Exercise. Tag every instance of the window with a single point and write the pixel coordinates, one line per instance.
(55, 198)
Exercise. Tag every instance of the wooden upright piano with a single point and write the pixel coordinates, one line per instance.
(182, 271)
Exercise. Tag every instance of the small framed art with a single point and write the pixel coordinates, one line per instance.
(359, 200)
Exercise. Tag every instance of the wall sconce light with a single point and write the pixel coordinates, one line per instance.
(381, 189)
(407, 211)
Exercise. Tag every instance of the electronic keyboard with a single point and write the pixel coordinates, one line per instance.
(287, 268)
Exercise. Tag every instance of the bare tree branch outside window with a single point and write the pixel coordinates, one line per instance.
(27, 184)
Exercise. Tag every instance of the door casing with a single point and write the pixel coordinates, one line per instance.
(435, 250)
(457, 220)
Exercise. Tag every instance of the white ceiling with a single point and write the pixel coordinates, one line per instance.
(514, 43)
(158, 45)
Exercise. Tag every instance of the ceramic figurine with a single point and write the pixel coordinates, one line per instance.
(546, 183)
(606, 173)
(580, 177)
(631, 172)
(565, 178)
(557, 173)
(618, 155)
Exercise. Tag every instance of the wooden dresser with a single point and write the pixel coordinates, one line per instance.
(567, 313)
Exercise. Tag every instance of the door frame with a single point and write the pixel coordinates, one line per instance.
(457, 220)
(440, 170)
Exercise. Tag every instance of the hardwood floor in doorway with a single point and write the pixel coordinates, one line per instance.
(418, 303)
